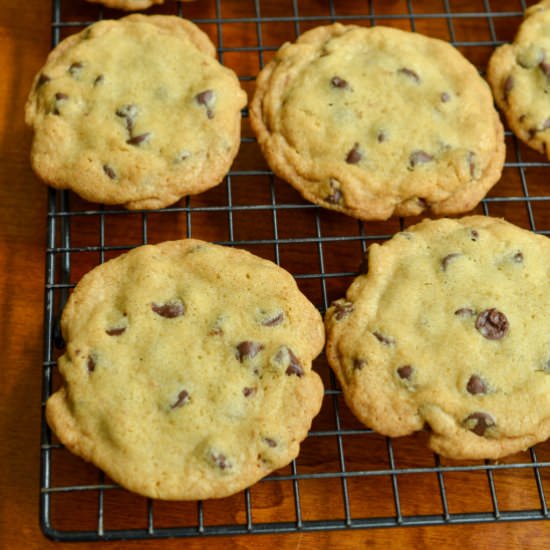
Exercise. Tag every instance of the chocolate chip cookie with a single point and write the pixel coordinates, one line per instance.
(135, 112)
(375, 122)
(127, 5)
(449, 328)
(130, 5)
(187, 372)
(519, 74)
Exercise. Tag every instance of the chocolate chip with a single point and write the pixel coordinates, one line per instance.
(405, 372)
(182, 155)
(518, 257)
(419, 157)
(382, 136)
(117, 331)
(42, 79)
(354, 155)
(336, 195)
(128, 113)
(90, 364)
(183, 398)
(285, 357)
(465, 312)
(476, 385)
(448, 259)
(545, 68)
(138, 140)
(294, 366)
(220, 461)
(508, 85)
(359, 364)
(386, 340)
(270, 442)
(342, 308)
(492, 324)
(99, 80)
(170, 310)
(337, 82)
(207, 98)
(248, 350)
(247, 392)
(410, 73)
(479, 422)
(445, 97)
(474, 235)
(470, 159)
(109, 171)
(75, 68)
(274, 321)
(60, 96)
(217, 327)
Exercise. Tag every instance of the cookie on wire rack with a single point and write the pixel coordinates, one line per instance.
(375, 122)
(130, 5)
(187, 372)
(449, 328)
(519, 74)
(136, 112)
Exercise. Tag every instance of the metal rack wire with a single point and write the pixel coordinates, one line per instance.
(352, 477)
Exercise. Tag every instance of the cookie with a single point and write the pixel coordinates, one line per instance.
(135, 112)
(375, 122)
(130, 5)
(519, 75)
(187, 371)
(449, 328)
(127, 5)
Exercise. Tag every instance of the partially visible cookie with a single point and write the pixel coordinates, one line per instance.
(187, 370)
(519, 74)
(127, 5)
(135, 112)
(375, 122)
(449, 328)
(130, 5)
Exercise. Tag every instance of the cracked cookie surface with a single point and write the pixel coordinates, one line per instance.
(449, 328)
(375, 122)
(187, 371)
(519, 74)
(135, 112)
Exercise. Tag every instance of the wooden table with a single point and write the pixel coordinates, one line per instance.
(24, 42)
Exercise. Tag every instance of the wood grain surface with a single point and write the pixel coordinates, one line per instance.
(25, 39)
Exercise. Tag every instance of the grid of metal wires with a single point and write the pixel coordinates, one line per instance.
(346, 477)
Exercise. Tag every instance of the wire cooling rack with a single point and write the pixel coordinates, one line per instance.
(346, 477)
